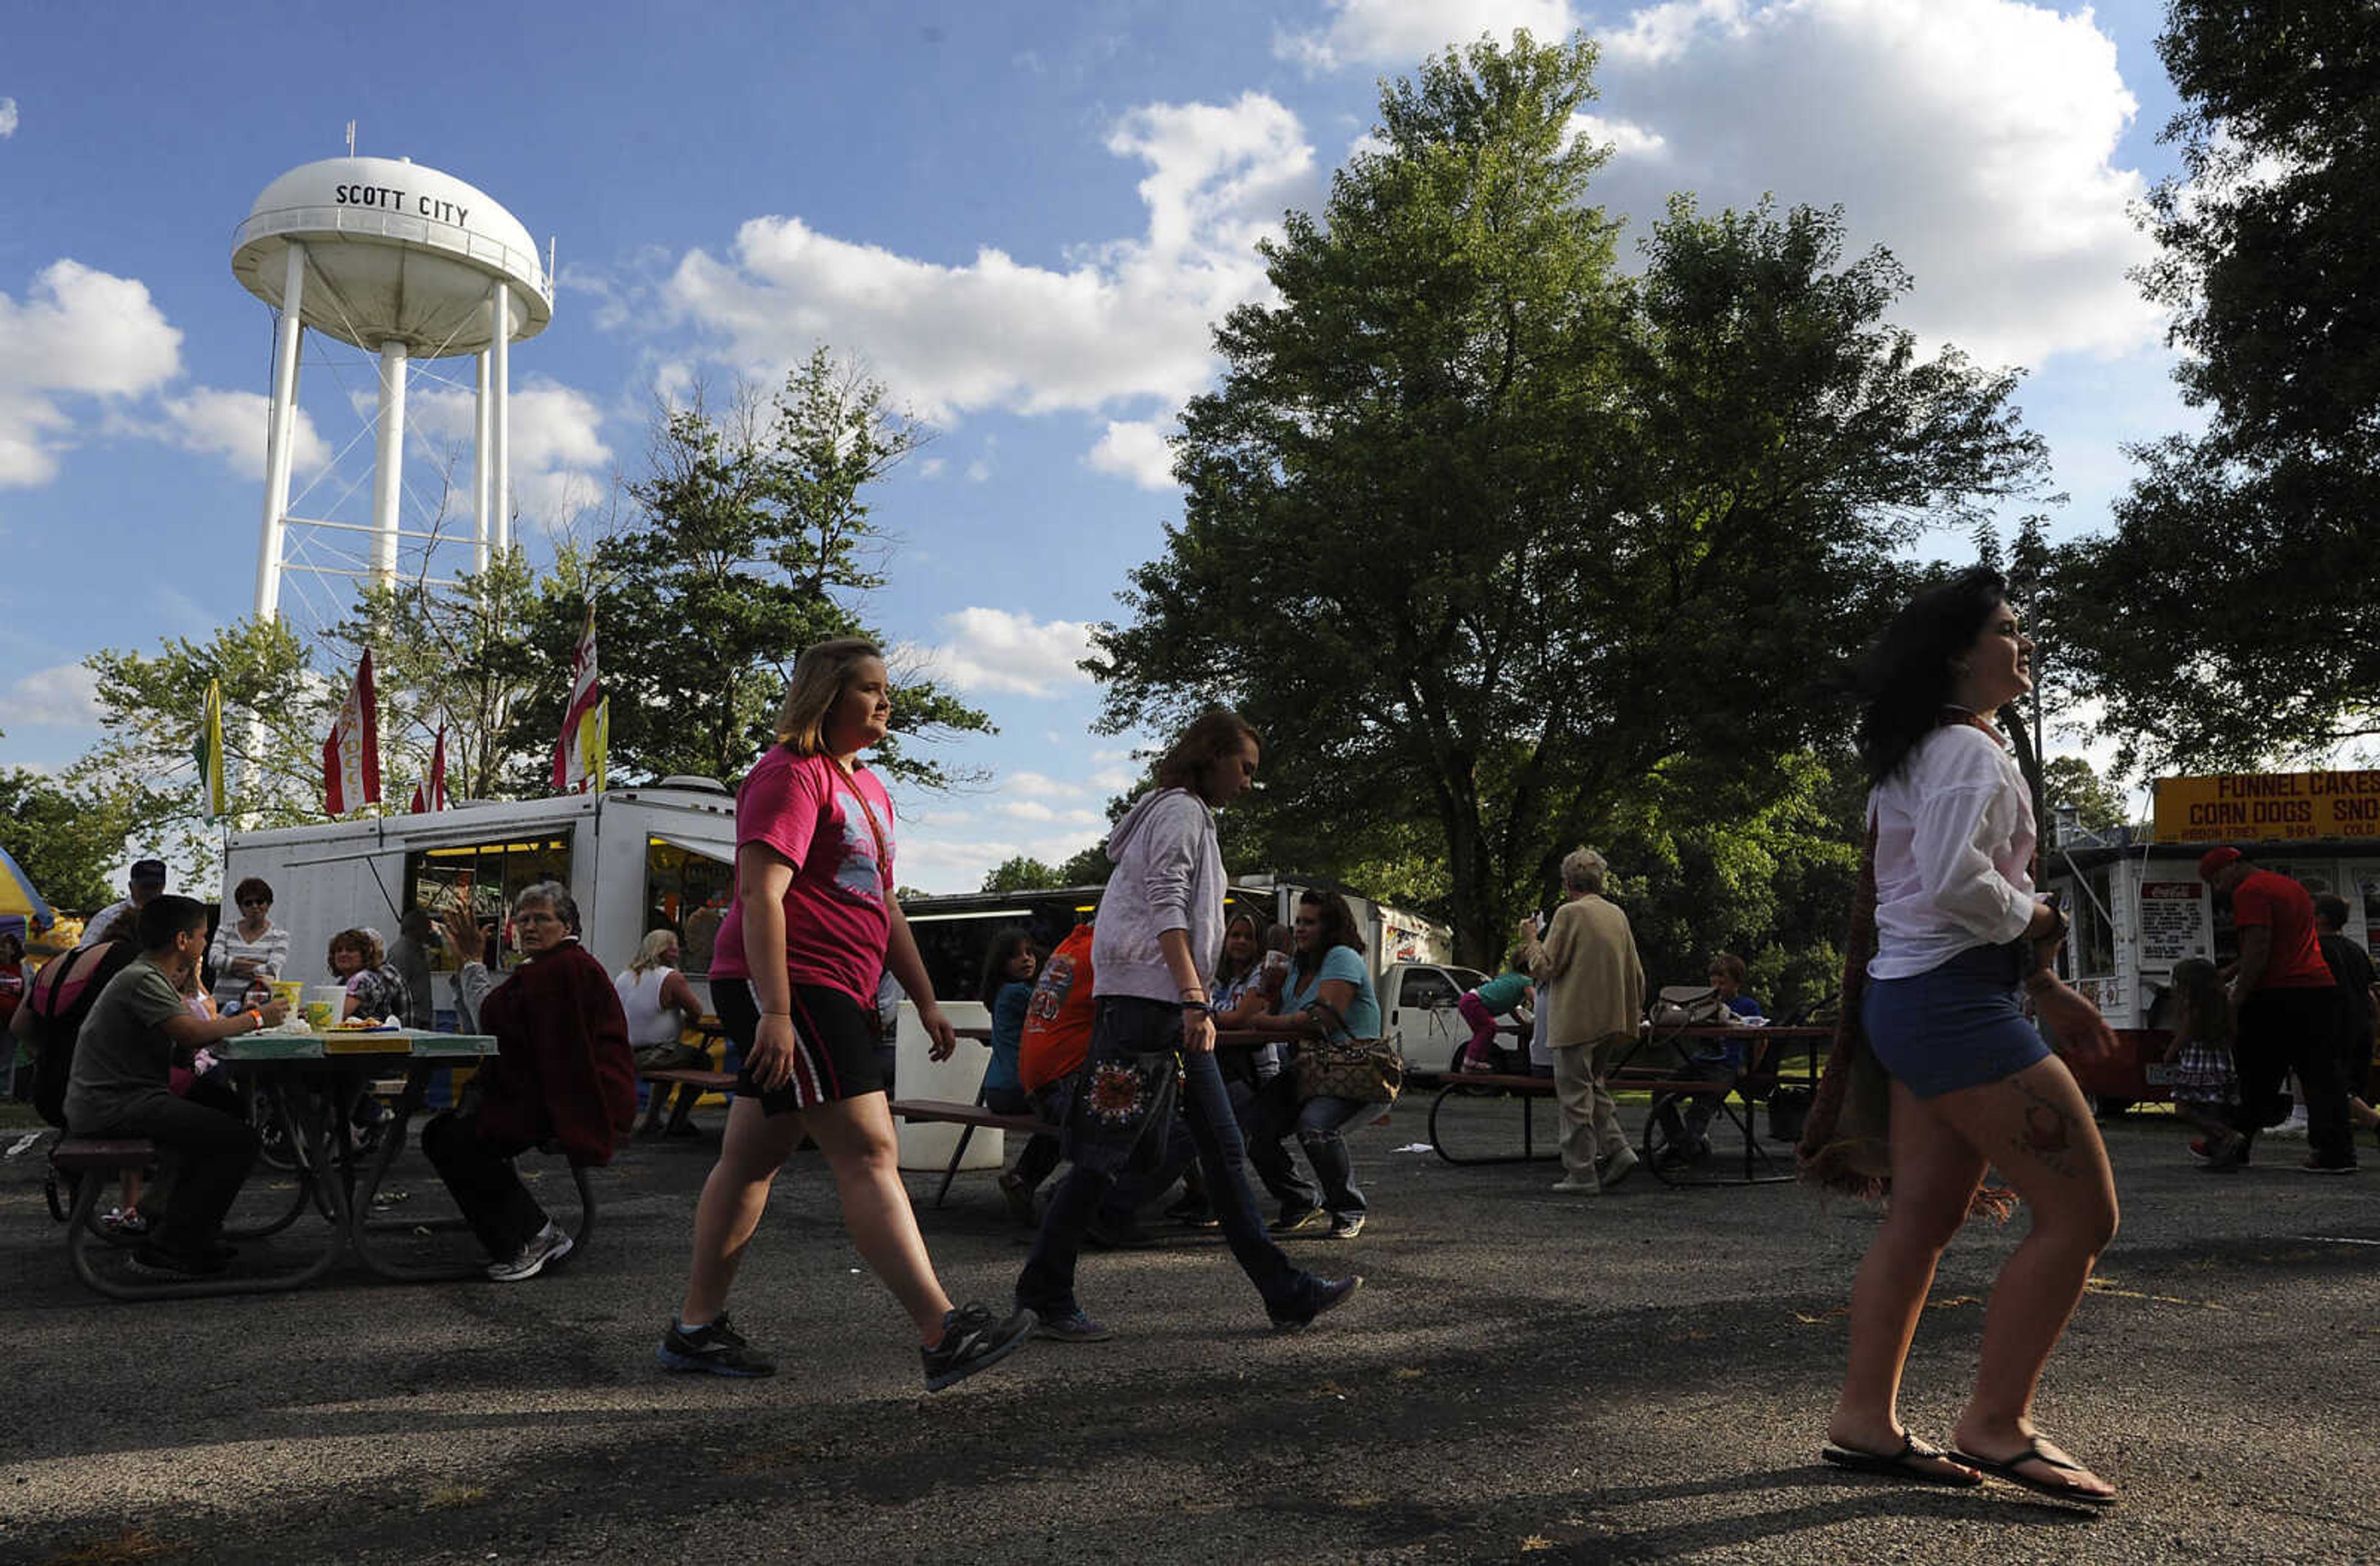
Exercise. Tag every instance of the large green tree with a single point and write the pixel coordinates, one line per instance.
(2241, 554)
(67, 840)
(751, 539)
(1482, 532)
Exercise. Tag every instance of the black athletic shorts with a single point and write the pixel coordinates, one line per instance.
(834, 1045)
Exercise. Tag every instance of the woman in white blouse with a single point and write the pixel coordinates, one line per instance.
(1961, 943)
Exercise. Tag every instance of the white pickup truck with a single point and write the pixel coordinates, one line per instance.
(1417, 1012)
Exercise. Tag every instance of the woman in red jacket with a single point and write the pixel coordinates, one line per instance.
(564, 1076)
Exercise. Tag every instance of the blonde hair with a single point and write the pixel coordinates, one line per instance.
(820, 676)
(649, 954)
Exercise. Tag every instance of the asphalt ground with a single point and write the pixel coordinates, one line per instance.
(1639, 1377)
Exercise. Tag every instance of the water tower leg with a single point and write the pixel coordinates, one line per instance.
(480, 414)
(499, 382)
(388, 469)
(281, 427)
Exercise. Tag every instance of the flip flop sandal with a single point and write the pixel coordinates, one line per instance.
(1902, 1464)
(2007, 1468)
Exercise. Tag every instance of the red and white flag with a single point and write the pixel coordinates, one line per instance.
(574, 761)
(432, 795)
(351, 756)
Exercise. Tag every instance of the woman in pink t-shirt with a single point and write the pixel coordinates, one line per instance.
(793, 976)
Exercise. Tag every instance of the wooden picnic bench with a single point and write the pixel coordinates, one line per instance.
(970, 1118)
(1738, 1101)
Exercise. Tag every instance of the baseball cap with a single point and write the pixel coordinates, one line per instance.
(2215, 859)
(149, 869)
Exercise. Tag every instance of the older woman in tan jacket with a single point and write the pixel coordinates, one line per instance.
(1594, 998)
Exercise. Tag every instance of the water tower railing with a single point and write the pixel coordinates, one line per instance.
(521, 266)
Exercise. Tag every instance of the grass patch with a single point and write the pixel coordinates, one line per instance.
(448, 1497)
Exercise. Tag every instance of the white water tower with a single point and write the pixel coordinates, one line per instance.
(404, 263)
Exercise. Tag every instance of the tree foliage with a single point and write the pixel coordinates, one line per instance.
(2073, 784)
(1482, 533)
(751, 540)
(2240, 553)
(1021, 872)
(67, 840)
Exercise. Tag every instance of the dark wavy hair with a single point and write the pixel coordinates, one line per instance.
(1909, 676)
(1005, 945)
(1338, 926)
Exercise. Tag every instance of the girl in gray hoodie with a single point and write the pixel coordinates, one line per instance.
(1159, 919)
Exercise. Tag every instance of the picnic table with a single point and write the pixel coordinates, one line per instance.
(1637, 1070)
(311, 1084)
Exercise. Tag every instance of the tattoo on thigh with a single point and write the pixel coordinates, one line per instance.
(2049, 1132)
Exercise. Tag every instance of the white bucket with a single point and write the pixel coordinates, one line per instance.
(925, 1145)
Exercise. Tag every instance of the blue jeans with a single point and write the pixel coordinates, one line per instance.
(1125, 1025)
(1318, 1125)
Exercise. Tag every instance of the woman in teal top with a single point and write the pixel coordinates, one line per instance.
(1328, 975)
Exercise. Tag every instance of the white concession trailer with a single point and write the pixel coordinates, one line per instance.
(635, 859)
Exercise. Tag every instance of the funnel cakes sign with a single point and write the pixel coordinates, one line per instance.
(2267, 806)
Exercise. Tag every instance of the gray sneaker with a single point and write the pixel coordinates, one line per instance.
(545, 1248)
(972, 1341)
(715, 1349)
(1075, 1327)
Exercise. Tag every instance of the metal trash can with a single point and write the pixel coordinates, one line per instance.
(1788, 1110)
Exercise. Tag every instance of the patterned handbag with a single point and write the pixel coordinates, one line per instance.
(1338, 1065)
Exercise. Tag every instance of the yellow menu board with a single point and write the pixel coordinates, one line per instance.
(2268, 808)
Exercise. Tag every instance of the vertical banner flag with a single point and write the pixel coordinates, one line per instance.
(351, 756)
(579, 720)
(595, 742)
(432, 795)
(207, 751)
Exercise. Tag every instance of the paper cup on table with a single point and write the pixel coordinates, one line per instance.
(326, 1003)
(290, 993)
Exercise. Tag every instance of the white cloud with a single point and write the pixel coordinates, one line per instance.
(79, 331)
(7, 117)
(561, 465)
(944, 852)
(1974, 138)
(1407, 30)
(1121, 319)
(1034, 810)
(1037, 786)
(65, 694)
(995, 649)
(1135, 449)
(1624, 138)
(232, 425)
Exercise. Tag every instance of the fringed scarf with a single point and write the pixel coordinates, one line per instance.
(1845, 1143)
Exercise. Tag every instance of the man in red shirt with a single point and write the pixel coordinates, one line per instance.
(2286, 1002)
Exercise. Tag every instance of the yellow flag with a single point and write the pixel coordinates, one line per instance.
(595, 742)
(208, 752)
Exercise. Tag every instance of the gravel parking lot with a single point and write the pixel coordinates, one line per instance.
(1639, 1377)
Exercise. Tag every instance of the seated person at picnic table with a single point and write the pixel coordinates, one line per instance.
(120, 1086)
(562, 1075)
(375, 991)
(1719, 1060)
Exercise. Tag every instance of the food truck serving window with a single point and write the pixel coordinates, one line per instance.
(2095, 939)
(489, 875)
(686, 889)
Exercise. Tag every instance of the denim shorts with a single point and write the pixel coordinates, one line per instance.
(1960, 1024)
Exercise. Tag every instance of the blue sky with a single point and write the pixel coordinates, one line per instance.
(1022, 217)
